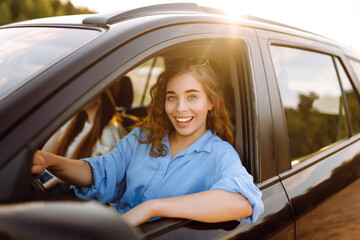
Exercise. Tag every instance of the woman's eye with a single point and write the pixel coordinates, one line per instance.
(192, 97)
(171, 98)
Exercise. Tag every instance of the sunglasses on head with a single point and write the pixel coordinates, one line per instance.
(198, 62)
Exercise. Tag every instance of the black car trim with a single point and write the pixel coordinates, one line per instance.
(353, 79)
(175, 8)
(344, 99)
(159, 227)
(178, 8)
(55, 25)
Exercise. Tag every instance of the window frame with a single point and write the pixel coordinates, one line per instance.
(105, 82)
(353, 86)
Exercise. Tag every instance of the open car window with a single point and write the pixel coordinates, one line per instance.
(130, 95)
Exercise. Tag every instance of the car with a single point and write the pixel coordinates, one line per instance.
(293, 98)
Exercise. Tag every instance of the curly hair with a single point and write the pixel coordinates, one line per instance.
(157, 123)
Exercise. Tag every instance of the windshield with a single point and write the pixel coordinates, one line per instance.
(25, 52)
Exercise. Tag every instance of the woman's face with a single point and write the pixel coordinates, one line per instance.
(186, 105)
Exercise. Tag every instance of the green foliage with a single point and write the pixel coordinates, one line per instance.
(20, 10)
(5, 14)
(311, 130)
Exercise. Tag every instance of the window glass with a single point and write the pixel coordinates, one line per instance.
(312, 100)
(25, 52)
(143, 78)
(351, 98)
(356, 66)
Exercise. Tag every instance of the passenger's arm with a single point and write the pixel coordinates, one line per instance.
(74, 172)
(209, 206)
(53, 142)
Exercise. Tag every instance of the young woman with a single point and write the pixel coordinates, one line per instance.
(94, 131)
(178, 162)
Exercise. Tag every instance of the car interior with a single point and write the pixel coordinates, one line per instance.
(131, 95)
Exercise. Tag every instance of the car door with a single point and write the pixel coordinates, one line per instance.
(254, 133)
(317, 100)
(251, 105)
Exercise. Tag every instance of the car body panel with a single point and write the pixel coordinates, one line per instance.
(326, 172)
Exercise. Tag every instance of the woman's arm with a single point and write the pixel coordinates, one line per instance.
(53, 142)
(74, 172)
(209, 206)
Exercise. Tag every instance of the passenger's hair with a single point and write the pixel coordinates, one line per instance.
(104, 115)
(157, 123)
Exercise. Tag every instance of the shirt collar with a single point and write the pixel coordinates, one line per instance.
(203, 144)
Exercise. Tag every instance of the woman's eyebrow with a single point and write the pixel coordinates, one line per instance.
(187, 91)
(191, 90)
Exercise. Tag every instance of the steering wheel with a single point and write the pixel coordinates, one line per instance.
(36, 184)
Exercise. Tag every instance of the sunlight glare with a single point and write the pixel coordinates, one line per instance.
(232, 10)
(239, 9)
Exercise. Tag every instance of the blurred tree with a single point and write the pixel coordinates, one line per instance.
(15, 6)
(42, 8)
(306, 102)
(5, 13)
(69, 8)
(26, 11)
(58, 7)
(19, 10)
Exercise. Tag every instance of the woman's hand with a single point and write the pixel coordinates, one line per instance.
(39, 163)
(72, 171)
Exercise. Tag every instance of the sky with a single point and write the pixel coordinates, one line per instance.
(335, 19)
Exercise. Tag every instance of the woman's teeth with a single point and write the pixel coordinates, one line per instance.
(184, 119)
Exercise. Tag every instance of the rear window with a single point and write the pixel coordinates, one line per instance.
(25, 52)
(312, 98)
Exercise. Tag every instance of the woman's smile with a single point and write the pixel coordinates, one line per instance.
(184, 120)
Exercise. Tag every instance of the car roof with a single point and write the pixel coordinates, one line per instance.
(188, 12)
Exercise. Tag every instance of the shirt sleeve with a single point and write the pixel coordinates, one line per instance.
(109, 172)
(229, 174)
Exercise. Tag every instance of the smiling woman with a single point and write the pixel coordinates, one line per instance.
(190, 144)
(187, 110)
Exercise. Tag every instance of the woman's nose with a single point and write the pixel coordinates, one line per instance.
(181, 105)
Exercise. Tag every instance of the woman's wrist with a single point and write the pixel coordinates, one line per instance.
(51, 161)
(48, 161)
(152, 208)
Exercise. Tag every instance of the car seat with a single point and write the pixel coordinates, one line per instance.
(123, 93)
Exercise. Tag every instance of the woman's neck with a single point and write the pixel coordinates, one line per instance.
(179, 143)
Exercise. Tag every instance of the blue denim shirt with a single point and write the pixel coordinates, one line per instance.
(128, 175)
